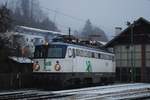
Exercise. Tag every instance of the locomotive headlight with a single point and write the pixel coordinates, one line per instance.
(57, 66)
(36, 66)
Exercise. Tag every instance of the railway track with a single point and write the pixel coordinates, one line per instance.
(29, 95)
(112, 92)
(123, 95)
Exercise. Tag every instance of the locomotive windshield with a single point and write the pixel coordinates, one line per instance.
(52, 51)
(56, 52)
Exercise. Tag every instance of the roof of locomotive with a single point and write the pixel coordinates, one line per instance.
(78, 46)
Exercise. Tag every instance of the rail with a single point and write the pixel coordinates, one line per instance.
(119, 92)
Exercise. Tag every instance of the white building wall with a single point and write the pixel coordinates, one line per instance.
(33, 36)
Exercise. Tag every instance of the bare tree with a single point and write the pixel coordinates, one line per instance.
(5, 22)
(25, 8)
(4, 19)
(87, 30)
(29, 13)
(93, 32)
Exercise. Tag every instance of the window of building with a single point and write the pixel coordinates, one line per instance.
(147, 54)
(126, 56)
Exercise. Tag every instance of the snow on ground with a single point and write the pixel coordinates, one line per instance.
(112, 92)
(100, 88)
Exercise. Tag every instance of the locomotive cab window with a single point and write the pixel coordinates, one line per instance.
(55, 52)
(52, 51)
(40, 52)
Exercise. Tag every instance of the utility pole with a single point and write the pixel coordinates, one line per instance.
(31, 9)
(69, 32)
(132, 51)
(55, 15)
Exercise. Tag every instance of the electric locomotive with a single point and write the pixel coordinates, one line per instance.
(64, 64)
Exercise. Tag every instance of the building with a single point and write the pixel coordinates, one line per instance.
(28, 37)
(36, 35)
(132, 52)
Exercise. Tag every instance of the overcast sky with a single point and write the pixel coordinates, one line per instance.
(106, 14)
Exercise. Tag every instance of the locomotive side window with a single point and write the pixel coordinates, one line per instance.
(90, 54)
(73, 52)
(96, 55)
(70, 52)
(99, 56)
(77, 52)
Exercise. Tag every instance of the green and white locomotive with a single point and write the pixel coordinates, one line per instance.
(64, 64)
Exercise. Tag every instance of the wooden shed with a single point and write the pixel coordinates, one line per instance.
(132, 52)
(15, 73)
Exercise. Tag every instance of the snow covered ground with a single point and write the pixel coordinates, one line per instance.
(112, 92)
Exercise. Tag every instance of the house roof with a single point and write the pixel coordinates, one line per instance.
(21, 59)
(40, 30)
(127, 31)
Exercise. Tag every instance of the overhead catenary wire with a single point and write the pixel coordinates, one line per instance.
(56, 13)
(65, 28)
(64, 14)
